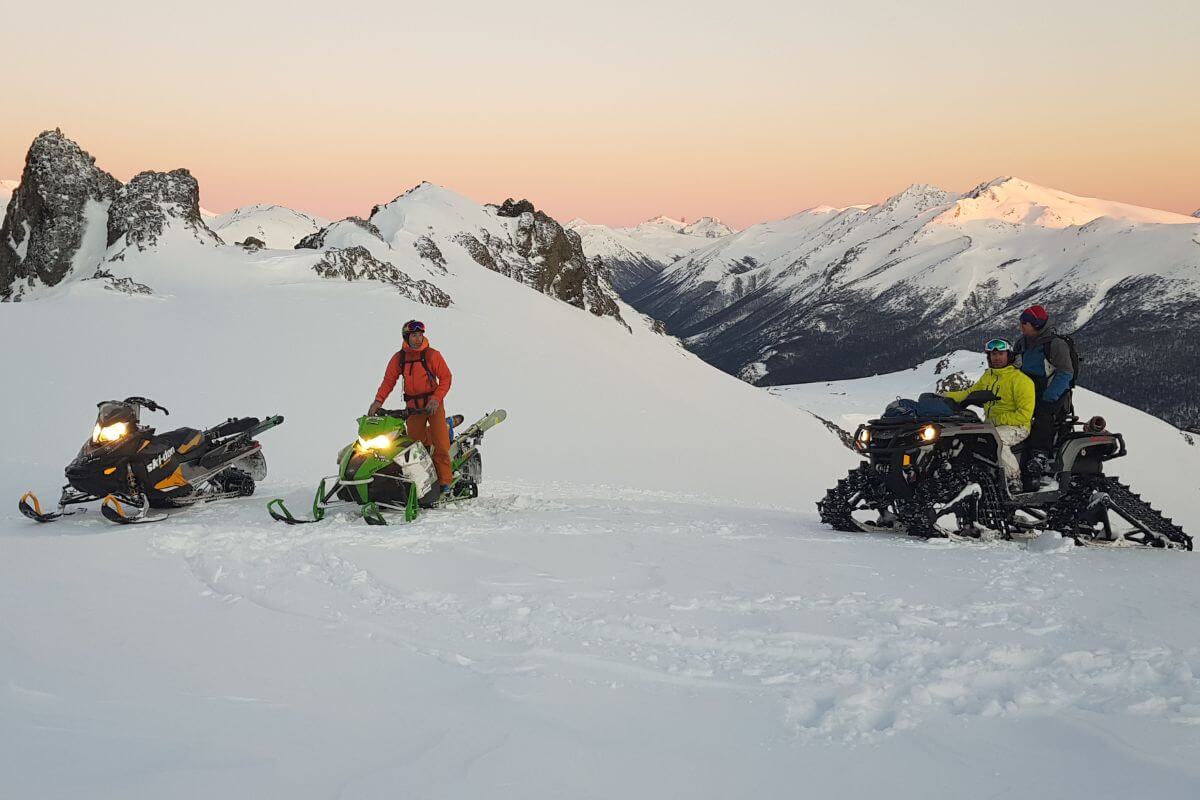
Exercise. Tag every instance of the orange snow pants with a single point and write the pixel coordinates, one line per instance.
(434, 433)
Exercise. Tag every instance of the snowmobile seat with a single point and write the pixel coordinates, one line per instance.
(189, 443)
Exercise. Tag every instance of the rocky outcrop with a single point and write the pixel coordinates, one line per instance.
(55, 217)
(252, 243)
(357, 263)
(542, 254)
(511, 208)
(153, 201)
(427, 249)
(124, 285)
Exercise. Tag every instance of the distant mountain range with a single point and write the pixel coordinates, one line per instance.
(829, 293)
(632, 255)
(826, 294)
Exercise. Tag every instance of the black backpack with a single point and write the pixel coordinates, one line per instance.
(1076, 360)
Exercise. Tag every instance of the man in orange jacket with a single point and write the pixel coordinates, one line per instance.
(426, 383)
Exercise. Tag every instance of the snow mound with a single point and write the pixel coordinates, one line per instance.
(279, 227)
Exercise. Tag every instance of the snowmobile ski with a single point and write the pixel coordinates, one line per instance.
(124, 512)
(30, 506)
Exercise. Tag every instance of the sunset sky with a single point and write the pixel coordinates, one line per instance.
(614, 111)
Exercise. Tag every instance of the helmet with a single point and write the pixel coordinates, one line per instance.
(413, 326)
(1000, 346)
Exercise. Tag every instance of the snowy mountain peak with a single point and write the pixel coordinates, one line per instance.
(663, 221)
(708, 228)
(151, 203)
(55, 217)
(345, 233)
(917, 198)
(279, 227)
(432, 203)
(1196, 213)
(1018, 201)
(512, 238)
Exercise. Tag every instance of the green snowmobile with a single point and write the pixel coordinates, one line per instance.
(386, 470)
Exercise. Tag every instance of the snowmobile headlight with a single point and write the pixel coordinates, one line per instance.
(380, 442)
(109, 433)
(864, 436)
(928, 433)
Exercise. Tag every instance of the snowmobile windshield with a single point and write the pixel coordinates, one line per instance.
(113, 422)
(112, 412)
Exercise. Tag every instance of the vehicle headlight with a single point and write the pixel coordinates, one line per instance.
(380, 442)
(109, 433)
(864, 437)
(928, 433)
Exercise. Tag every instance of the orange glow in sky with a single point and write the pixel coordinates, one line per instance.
(615, 112)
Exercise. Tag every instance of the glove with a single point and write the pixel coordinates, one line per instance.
(433, 405)
(980, 397)
(374, 409)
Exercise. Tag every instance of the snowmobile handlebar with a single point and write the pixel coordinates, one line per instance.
(147, 404)
(400, 413)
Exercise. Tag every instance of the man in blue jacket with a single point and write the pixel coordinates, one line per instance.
(1046, 359)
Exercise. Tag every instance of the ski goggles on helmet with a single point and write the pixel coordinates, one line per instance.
(998, 346)
(413, 326)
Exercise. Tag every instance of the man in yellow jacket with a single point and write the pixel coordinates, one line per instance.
(1012, 410)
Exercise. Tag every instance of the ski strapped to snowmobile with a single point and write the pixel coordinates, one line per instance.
(130, 469)
(385, 470)
(937, 474)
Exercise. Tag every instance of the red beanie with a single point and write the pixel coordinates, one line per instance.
(1035, 316)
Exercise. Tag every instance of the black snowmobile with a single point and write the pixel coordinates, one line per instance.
(936, 474)
(130, 469)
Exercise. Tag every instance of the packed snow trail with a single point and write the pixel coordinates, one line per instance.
(557, 641)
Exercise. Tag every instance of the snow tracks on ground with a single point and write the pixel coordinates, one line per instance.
(842, 638)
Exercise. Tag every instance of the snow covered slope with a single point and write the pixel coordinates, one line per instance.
(1163, 462)
(636, 253)
(830, 294)
(278, 227)
(512, 238)
(7, 187)
(674, 638)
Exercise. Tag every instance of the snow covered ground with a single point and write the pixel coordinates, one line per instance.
(641, 605)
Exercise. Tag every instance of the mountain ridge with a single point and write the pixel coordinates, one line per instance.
(839, 293)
